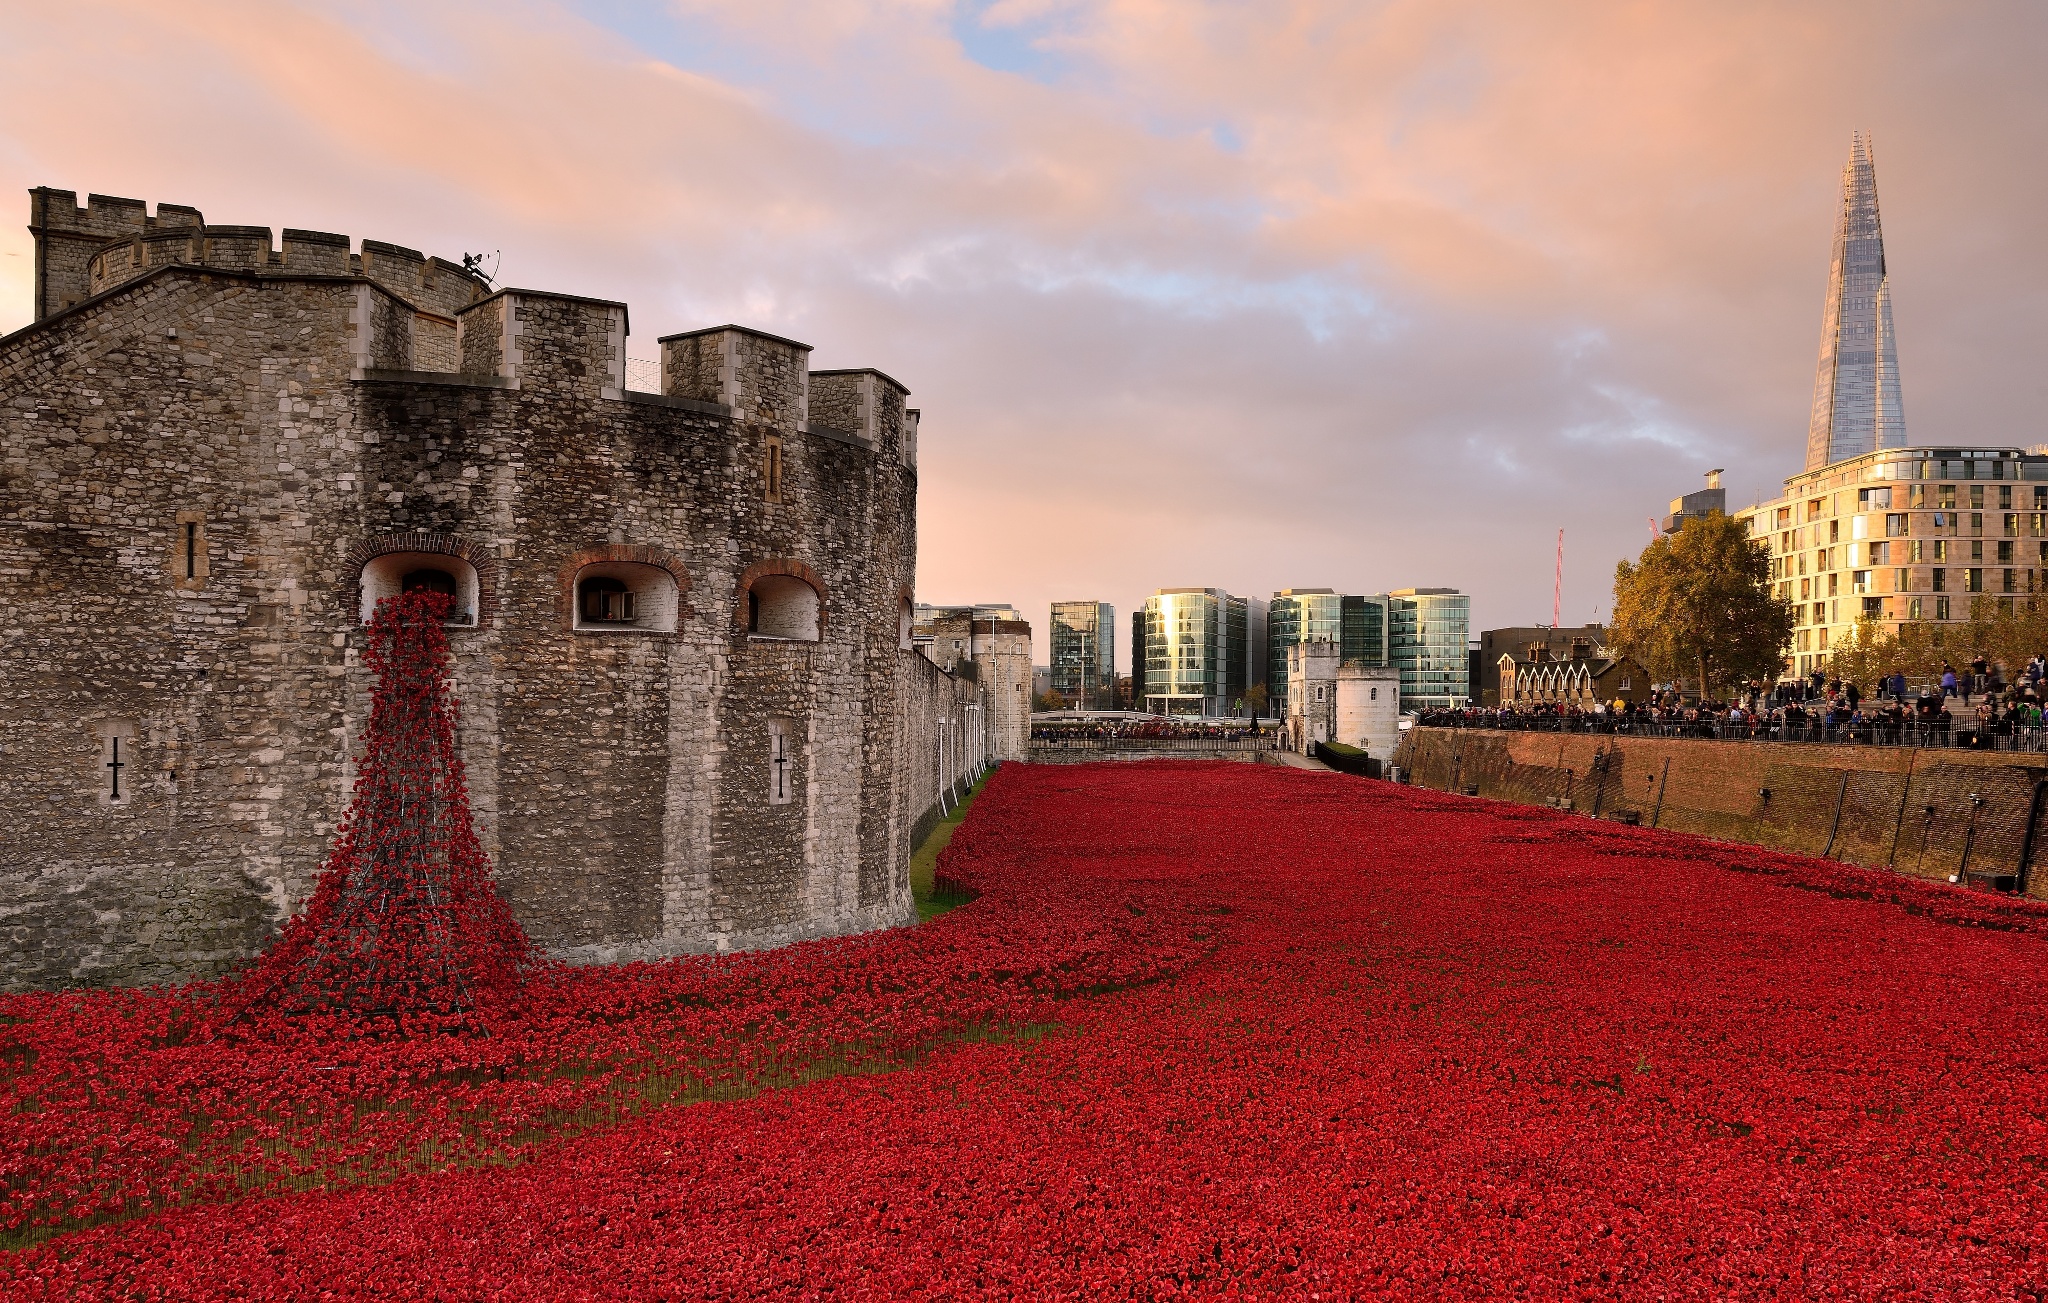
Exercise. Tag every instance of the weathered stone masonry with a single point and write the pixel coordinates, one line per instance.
(214, 457)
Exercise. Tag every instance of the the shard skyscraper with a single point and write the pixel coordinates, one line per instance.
(1856, 406)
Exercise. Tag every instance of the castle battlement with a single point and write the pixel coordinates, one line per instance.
(460, 326)
(680, 623)
(82, 252)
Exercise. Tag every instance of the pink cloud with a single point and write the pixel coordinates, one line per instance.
(1254, 295)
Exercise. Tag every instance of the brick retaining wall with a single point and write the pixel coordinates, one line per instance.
(1901, 807)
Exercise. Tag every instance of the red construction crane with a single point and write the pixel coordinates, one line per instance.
(1557, 593)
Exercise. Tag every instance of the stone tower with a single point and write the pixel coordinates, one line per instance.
(692, 716)
(1856, 405)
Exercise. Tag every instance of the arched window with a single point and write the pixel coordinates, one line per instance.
(408, 572)
(904, 624)
(427, 581)
(622, 596)
(601, 599)
(782, 606)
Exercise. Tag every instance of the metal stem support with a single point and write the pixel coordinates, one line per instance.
(1899, 824)
(1841, 792)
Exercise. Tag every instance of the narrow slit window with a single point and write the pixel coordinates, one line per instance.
(779, 762)
(187, 560)
(117, 769)
(771, 468)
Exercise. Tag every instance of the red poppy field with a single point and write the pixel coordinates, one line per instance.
(1205, 1030)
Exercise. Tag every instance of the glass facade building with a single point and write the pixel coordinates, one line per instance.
(1856, 404)
(1084, 654)
(1428, 634)
(1198, 651)
(1364, 639)
(1358, 624)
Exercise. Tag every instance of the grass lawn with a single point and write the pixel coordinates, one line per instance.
(924, 861)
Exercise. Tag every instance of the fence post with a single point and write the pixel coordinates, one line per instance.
(1658, 813)
(1841, 792)
(1969, 839)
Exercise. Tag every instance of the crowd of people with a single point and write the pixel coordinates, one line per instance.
(1975, 706)
(1153, 727)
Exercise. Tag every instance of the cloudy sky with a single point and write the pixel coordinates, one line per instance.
(1244, 294)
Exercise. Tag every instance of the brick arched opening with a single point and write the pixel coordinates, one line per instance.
(620, 554)
(477, 555)
(778, 566)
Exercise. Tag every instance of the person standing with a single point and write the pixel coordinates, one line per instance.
(1948, 680)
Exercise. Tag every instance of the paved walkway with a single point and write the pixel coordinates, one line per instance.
(1294, 760)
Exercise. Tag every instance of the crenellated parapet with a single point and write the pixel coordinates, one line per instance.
(82, 252)
(870, 405)
(67, 236)
(761, 378)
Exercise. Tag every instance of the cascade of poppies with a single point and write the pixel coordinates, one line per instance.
(405, 918)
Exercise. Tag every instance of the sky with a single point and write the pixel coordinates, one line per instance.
(1191, 293)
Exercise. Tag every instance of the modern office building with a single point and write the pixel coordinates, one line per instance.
(1084, 654)
(1873, 528)
(1355, 624)
(1698, 504)
(1200, 651)
(1427, 631)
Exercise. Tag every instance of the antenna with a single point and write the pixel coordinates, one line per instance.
(1557, 593)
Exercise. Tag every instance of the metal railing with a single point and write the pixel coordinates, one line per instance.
(1239, 742)
(1960, 733)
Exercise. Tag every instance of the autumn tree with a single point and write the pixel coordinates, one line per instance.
(1699, 604)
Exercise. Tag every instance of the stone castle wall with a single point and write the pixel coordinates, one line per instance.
(999, 653)
(209, 458)
(1905, 808)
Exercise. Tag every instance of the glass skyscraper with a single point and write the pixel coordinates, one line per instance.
(1357, 624)
(1428, 633)
(1084, 654)
(1856, 403)
(1198, 651)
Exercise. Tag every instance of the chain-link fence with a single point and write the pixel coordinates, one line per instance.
(1935, 813)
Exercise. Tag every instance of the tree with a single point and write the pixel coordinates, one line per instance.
(1256, 700)
(1699, 603)
(1867, 656)
(1050, 699)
